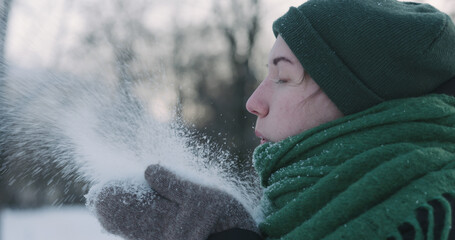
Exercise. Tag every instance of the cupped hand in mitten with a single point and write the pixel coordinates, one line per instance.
(195, 211)
(131, 211)
(175, 209)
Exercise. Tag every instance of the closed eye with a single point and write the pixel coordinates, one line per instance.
(280, 81)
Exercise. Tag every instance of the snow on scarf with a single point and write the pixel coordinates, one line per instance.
(361, 176)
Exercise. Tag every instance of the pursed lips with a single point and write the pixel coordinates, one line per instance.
(259, 135)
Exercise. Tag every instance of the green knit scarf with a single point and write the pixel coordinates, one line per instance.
(361, 176)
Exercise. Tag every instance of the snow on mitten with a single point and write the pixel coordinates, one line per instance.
(132, 214)
(195, 211)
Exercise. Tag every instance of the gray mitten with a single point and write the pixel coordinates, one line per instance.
(195, 211)
(131, 214)
(175, 209)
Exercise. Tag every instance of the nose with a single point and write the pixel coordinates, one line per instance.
(257, 103)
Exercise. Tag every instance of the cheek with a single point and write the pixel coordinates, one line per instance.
(289, 108)
(294, 117)
(302, 114)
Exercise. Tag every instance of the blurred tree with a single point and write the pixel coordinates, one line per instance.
(118, 27)
(241, 30)
(4, 17)
(214, 74)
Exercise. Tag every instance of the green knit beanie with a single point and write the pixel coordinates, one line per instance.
(364, 52)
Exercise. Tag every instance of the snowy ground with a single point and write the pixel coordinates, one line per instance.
(51, 223)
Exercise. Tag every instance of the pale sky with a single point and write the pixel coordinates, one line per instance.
(36, 25)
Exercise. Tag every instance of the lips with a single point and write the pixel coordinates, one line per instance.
(259, 135)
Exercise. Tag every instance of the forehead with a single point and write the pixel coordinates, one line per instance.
(281, 49)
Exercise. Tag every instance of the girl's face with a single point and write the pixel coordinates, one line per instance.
(288, 101)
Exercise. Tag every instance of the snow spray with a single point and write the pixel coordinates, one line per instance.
(102, 133)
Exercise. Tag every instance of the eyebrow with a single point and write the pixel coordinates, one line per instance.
(278, 59)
